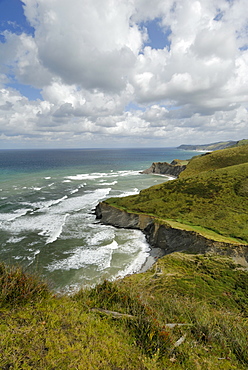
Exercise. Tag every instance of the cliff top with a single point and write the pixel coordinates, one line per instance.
(211, 193)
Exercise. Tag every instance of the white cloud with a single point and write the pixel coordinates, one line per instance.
(89, 60)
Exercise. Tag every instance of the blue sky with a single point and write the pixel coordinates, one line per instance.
(124, 74)
(12, 17)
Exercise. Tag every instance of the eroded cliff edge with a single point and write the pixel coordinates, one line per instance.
(163, 168)
(166, 237)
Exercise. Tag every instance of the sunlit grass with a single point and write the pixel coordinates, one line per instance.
(187, 311)
(215, 200)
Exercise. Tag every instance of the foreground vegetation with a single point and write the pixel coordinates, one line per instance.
(212, 193)
(187, 312)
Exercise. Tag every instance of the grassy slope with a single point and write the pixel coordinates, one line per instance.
(213, 199)
(206, 294)
(215, 160)
(242, 142)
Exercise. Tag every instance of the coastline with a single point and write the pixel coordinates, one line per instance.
(154, 254)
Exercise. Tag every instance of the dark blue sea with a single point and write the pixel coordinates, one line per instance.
(46, 218)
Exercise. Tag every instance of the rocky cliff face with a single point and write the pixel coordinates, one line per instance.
(164, 168)
(166, 237)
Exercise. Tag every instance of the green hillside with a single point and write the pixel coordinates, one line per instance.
(218, 159)
(215, 198)
(242, 142)
(187, 312)
(212, 146)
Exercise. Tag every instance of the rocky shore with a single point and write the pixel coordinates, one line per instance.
(163, 168)
(168, 238)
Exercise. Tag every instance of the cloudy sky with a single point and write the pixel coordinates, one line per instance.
(122, 73)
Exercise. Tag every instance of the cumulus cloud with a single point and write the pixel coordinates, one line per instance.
(91, 61)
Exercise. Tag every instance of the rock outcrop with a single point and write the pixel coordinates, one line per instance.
(162, 235)
(163, 168)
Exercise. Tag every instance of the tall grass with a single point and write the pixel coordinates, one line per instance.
(18, 287)
(187, 312)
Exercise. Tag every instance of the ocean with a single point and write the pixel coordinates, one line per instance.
(47, 221)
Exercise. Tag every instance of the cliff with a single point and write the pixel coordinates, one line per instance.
(166, 237)
(163, 168)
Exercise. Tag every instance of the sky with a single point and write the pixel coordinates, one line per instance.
(114, 73)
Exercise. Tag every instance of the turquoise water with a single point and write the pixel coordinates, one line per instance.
(47, 198)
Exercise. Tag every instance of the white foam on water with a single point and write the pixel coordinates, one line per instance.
(43, 206)
(127, 193)
(101, 175)
(139, 249)
(55, 235)
(105, 235)
(16, 214)
(50, 218)
(15, 239)
(35, 188)
(81, 257)
(108, 183)
(74, 191)
(17, 257)
(66, 181)
(5, 217)
(88, 176)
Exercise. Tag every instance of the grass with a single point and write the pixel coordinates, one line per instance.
(210, 234)
(17, 287)
(217, 159)
(215, 200)
(242, 142)
(187, 312)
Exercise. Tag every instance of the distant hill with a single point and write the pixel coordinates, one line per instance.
(210, 147)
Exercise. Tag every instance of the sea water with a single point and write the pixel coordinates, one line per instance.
(47, 221)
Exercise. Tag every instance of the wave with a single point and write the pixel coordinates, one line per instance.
(74, 191)
(138, 248)
(101, 175)
(82, 257)
(103, 183)
(48, 218)
(8, 217)
(44, 205)
(127, 193)
(124, 252)
(15, 239)
(36, 188)
(57, 232)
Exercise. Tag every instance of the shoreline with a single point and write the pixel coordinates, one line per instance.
(154, 254)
